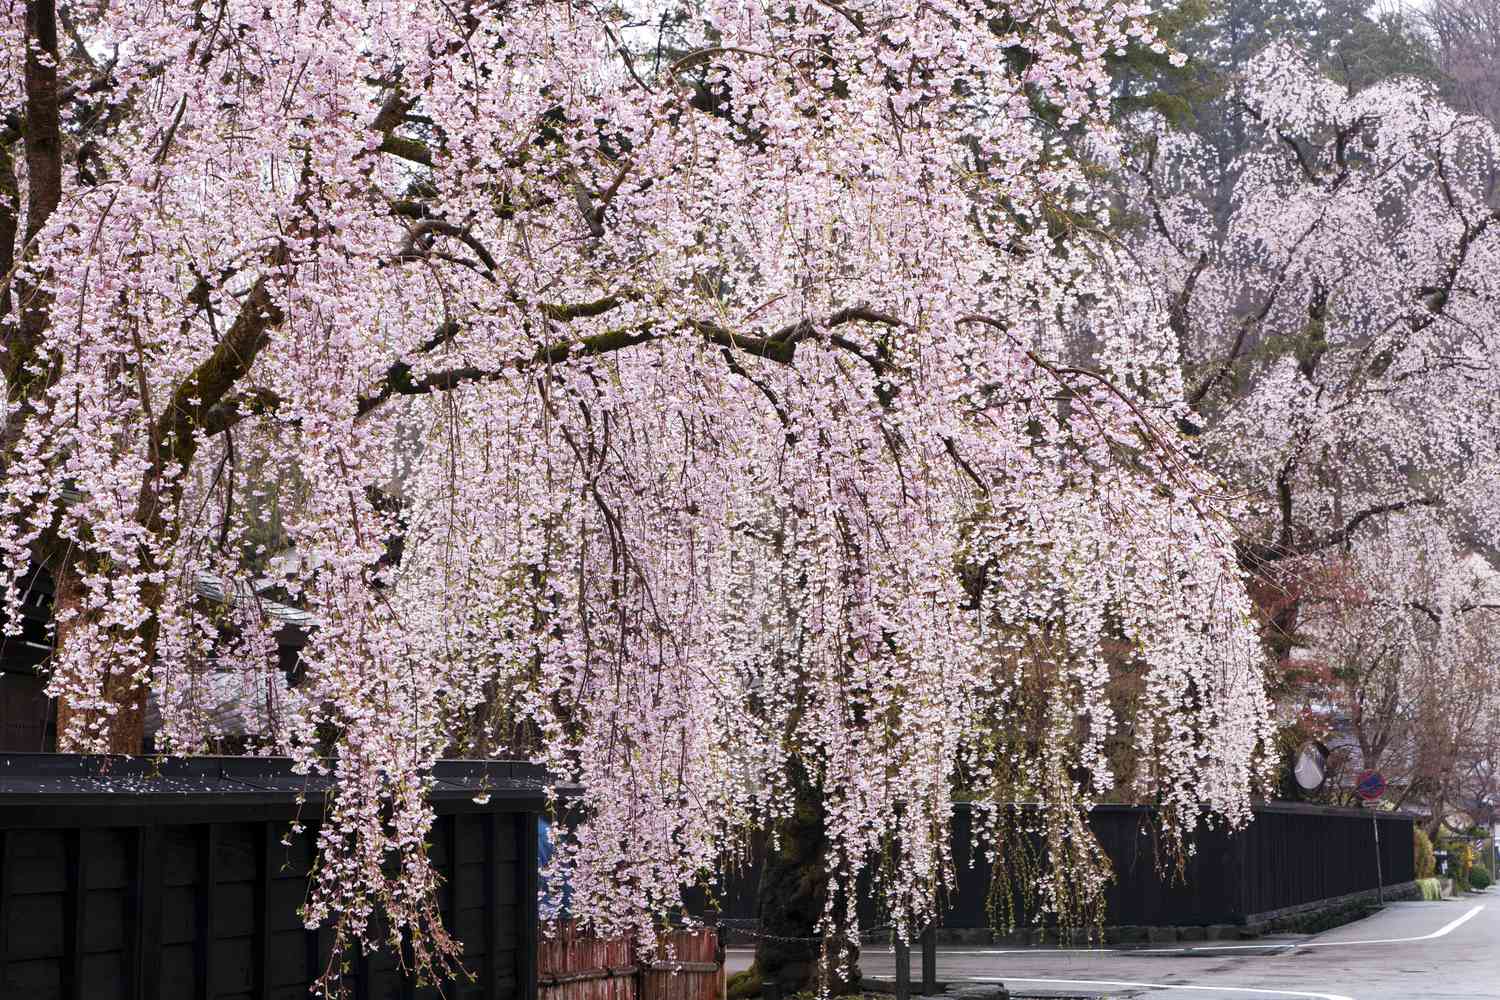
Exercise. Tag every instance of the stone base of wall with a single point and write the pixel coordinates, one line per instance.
(1325, 913)
(1311, 917)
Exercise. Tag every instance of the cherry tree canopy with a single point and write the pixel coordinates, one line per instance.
(1403, 626)
(673, 378)
(1338, 330)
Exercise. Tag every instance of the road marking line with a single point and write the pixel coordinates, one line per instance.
(1448, 928)
(1162, 986)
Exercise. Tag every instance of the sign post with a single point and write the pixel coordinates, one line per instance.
(1370, 786)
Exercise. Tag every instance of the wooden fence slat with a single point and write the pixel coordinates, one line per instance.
(208, 868)
(264, 866)
(491, 902)
(75, 911)
(5, 881)
(146, 907)
(684, 965)
(528, 851)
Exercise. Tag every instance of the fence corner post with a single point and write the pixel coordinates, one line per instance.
(711, 919)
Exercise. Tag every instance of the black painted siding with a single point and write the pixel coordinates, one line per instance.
(210, 910)
(1290, 855)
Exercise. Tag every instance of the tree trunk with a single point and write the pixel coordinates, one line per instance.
(126, 728)
(793, 895)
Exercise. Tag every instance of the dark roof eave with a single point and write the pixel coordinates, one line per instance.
(74, 789)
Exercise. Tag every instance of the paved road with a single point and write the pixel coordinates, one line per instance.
(1408, 951)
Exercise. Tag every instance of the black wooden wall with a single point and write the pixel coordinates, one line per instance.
(1297, 855)
(1291, 855)
(99, 901)
(210, 910)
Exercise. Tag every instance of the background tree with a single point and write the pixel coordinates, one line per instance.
(1465, 36)
(1403, 627)
(1353, 43)
(1335, 328)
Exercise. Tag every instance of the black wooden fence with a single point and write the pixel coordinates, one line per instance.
(152, 881)
(1292, 855)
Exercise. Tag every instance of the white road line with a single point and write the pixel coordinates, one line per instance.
(1164, 986)
(1448, 928)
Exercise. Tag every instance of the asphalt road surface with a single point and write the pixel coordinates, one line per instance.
(1408, 951)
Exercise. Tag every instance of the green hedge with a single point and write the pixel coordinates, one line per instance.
(1422, 847)
(1432, 889)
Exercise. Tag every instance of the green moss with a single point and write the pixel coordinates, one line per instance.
(743, 985)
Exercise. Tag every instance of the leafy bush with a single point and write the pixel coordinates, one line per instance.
(1432, 889)
(1422, 847)
(1479, 877)
(1463, 857)
(743, 985)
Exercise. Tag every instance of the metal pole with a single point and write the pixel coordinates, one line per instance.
(903, 969)
(929, 962)
(1379, 878)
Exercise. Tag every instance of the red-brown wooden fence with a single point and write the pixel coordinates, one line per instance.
(685, 966)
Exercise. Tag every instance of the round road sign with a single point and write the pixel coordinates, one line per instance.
(1370, 785)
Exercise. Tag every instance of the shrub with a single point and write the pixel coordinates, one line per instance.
(1432, 889)
(1479, 877)
(1422, 847)
(744, 984)
(1463, 864)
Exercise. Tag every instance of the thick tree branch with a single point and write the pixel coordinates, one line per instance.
(1436, 297)
(1257, 555)
(43, 129)
(43, 155)
(193, 404)
(780, 347)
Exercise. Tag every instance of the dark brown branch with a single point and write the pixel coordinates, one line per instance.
(1436, 297)
(580, 310)
(1256, 555)
(44, 159)
(413, 150)
(44, 164)
(428, 227)
(779, 347)
(1247, 325)
(221, 411)
(173, 438)
(765, 390)
(1178, 316)
(9, 229)
(236, 407)
(1302, 160)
